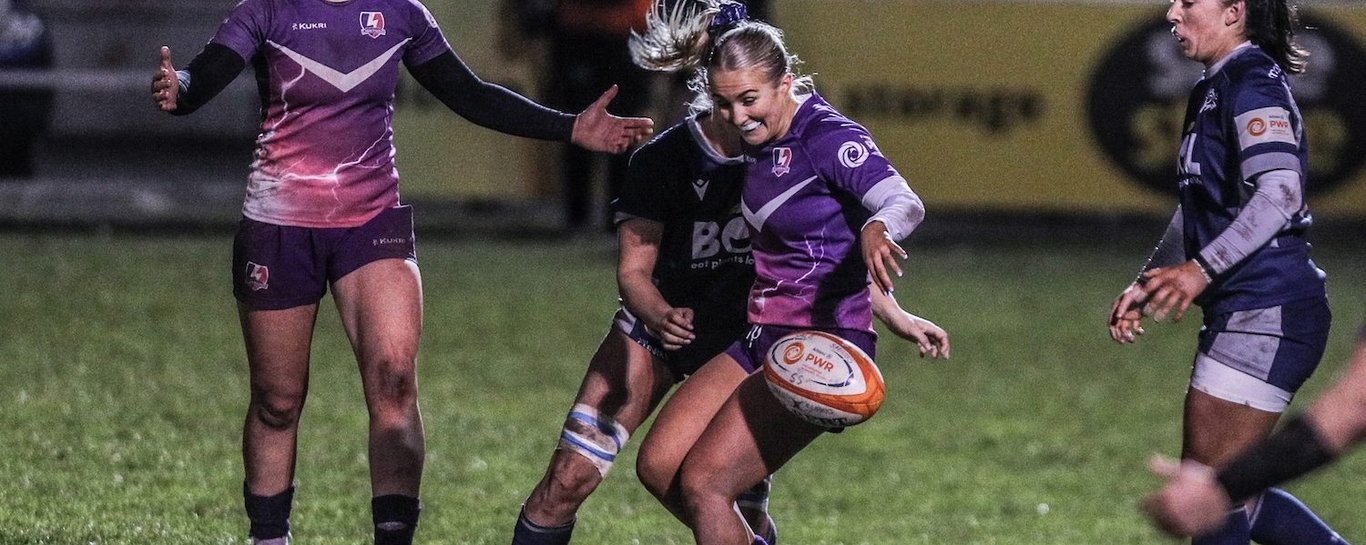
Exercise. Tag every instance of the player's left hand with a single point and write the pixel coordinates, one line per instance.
(597, 130)
(1173, 288)
(1191, 503)
(880, 253)
(932, 340)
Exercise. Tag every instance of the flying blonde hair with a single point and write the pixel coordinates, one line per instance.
(679, 35)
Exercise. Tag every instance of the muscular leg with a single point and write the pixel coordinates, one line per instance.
(624, 382)
(278, 343)
(751, 437)
(680, 422)
(1215, 431)
(381, 309)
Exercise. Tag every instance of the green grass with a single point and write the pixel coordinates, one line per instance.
(123, 386)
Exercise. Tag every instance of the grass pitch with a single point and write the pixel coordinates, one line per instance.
(123, 389)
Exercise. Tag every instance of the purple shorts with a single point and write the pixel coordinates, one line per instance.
(277, 267)
(749, 351)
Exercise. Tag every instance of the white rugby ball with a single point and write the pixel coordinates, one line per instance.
(824, 379)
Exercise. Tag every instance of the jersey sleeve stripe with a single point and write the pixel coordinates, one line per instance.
(1263, 162)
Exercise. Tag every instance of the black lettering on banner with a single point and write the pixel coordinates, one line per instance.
(996, 110)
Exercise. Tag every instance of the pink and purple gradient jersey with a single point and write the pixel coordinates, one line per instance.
(803, 200)
(327, 74)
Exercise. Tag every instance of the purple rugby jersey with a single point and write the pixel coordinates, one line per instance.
(803, 201)
(327, 72)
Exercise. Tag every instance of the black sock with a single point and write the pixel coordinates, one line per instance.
(395, 517)
(269, 515)
(530, 533)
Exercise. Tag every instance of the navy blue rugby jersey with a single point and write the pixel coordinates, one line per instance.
(1241, 122)
(679, 181)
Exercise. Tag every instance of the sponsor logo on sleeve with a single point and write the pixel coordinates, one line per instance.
(853, 154)
(372, 23)
(1264, 126)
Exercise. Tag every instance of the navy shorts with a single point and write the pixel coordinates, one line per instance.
(277, 267)
(713, 332)
(1279, 345)
(749, 352)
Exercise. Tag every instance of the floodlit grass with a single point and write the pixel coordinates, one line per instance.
(123, 388)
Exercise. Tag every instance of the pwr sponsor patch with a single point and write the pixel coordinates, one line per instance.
(1265, 125)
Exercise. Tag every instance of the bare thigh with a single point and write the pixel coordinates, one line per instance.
(682, 420)
(1217, 430)
(751, 436)
(381, 309)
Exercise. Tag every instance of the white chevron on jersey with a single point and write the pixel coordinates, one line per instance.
(757, 219)
(344, 82)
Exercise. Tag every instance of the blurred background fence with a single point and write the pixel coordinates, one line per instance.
(1042, 109)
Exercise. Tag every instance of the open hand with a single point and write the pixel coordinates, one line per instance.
(597, 130)
(1190, 503)
(165, 83)
(880, 254)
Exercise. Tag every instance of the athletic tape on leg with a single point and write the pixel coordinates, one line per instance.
(594, 436)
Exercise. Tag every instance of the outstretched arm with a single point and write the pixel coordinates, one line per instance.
(495, 107)
(184, 91)
(932, 340)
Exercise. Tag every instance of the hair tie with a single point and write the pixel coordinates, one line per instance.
(731, 14)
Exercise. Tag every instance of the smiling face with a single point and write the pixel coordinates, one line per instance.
(760, 108)
(1207, 29)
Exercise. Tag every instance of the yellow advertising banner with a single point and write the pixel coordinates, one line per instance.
(1056, 106)
(441, 155)
(1042, 106)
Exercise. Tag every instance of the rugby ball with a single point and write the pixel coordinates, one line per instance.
(824, 379)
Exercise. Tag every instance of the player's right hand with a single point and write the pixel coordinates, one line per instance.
(675, 328)
(165, 83)
(1190, 503)
(1126, 314)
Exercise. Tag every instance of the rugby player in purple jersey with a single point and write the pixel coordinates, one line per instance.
(1195, 499)
(824, 209)
(322, 208)
(684, 273)
(1236, 247)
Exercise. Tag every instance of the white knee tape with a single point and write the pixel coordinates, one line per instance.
(594, 436)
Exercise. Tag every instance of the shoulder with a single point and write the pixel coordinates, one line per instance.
(414, 10)
(667, 145)
(827, 134)
(1255, 80)
(822, 122)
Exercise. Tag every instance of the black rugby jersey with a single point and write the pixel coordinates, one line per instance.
(679, 181)
(1240, 122)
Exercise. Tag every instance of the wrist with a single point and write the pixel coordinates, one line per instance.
(1205, 269)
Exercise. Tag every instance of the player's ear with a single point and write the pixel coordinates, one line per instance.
(785, 84)
(1235, 12)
